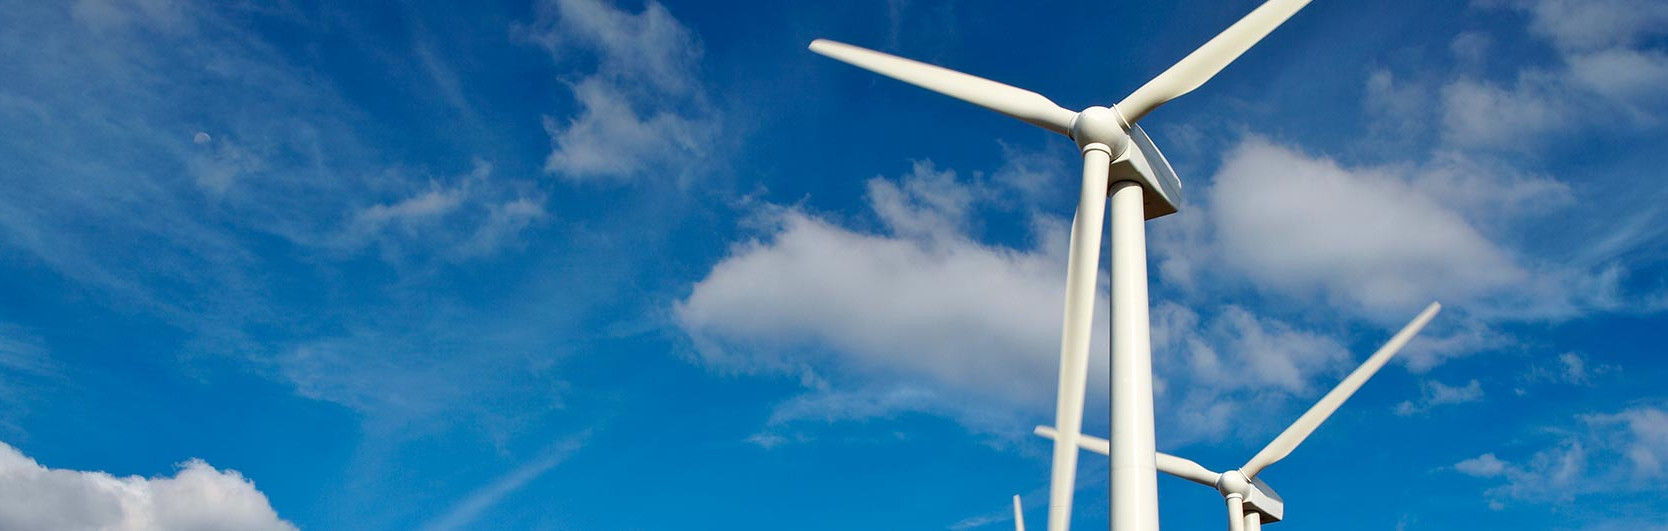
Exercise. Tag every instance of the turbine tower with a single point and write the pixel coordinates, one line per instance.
(1120, 162)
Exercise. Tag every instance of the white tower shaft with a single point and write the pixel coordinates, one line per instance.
(1134, 471)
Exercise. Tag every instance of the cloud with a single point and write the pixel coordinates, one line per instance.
(157, 151)
(642, 108)
(1211, 366)
(928, 318)
(921, 317)
(469, 509)
(1438, 394)
(197, 497)
(1606, 453)
(1368, 240)
(1483, 466)
(1595, 24)
(1611, 66)
(1569, 368)
(471, 216)
(25, 364)
(1643, 434)
(1378, 242)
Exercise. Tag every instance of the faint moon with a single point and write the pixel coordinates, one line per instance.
(201, 138)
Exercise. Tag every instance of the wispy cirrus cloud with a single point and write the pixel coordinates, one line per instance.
(466, 511)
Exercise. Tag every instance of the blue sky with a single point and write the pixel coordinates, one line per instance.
(575, 264)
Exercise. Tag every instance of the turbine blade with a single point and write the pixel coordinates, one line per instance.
(1199, 66)
(1086, 442)
(1288, 440)
(1082, 265)
(1236, 513)
(1180, 467)
(1187, 469)
(1012, 101)
(1019, 516)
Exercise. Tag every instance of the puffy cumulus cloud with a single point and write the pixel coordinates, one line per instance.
(642, 108)
(919, 317)
(1378, 242)
(198, 497)
(1364, 239)
(1605, 453)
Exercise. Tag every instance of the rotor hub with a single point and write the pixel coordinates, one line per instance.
(1233, 482)
(1100, 125)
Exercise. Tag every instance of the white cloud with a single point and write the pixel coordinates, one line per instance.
(1483, 466)
(1643, 433)
(1477, 113)
(1363, 239)
(610, 138)
(1437, 394)
(472, 216)
(1213, 367)
(1569, 368)
(1612, 67)
(198, 497)
(1607, 453)
(1632, 78)
(1596, 24)
(469, 509)
(972, 328)
(1379, 242)
(642, 109)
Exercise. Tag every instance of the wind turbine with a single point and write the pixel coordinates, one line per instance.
(1119, 161)
(1250, 501)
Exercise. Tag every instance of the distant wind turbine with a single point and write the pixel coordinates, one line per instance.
(1250, 501)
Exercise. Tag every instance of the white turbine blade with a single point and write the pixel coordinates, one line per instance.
(1236, 513)
(1086, 442)
(1082, 265)
(1012, 101)
(1180, 467)
(1019, 516)
(1199, 66)
(1288, 440)
(1187, 469)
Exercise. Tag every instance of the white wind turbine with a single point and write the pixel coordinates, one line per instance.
(1241, 488)
(1119, 161)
